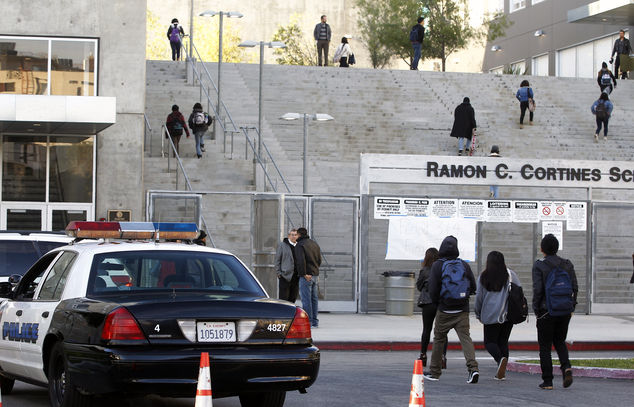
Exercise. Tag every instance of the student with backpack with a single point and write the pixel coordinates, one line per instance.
(416, 36)
(199, 122)
(554, 299)
(525, 96)
(175, 124)
(174, 33)
(602, 109)
(450, 284)
(492, 307)
(605, 79)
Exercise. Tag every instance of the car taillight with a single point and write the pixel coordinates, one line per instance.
(121, 325)
(300, 328)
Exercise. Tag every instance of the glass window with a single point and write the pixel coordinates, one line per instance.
(540, 65)
(537, 1)
(24, 219)
(496, 6)
(567, 62)
(73, 68)
(518, 68)
(53, 286)
(517, 5)
(16, 256)
(585, 65)
(498, 70)
(61, 218)
(71, 169)
(143, 271)
(24, 169)
(23, 66)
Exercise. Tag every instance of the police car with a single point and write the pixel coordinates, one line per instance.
(127, 309)
(20, 249)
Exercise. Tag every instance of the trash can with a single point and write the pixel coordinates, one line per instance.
(399, 292)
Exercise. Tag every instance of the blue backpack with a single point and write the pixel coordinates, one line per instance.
(455, 284)
(560, 299)
(413, 35)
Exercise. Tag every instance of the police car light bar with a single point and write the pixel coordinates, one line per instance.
(131, 230)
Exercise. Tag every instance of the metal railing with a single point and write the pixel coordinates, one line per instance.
(147, 126)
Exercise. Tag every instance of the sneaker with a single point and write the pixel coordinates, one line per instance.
(546, 386)
(466, 150)
(473, 377)
(501, 369)
(530, 123)
(459, 152)
(431, 378)
(567, 378)
(491, 194)
(521, 126)
(502, 379)
(202, 148)
(596, 137)
(605, 138)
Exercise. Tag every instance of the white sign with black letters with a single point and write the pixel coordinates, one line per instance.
(576, 216)
(472, 208)
(386, 207)
(444, 208)
(526, 211)
(416, 207)
(499, 211)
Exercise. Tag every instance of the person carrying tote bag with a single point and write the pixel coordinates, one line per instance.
(342, 53)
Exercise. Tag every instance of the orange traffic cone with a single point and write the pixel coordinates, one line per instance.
(417, 394)
(203, 391)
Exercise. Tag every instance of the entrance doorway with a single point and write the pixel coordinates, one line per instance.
(50, 217)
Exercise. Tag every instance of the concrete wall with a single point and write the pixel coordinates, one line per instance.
(120, 25)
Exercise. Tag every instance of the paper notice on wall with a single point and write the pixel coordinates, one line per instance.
(444, 208)
(525, 211)
(499, 211)
(556, 228)
(560, 211)
(576, 216)
(409, 237)
(386, 207)
(472, 208)
(416, 207)
(546, 210)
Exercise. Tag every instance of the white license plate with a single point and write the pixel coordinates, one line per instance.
(216, 331)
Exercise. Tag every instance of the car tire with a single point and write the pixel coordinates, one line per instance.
(62, 393)
(6, 385)
(266, 399)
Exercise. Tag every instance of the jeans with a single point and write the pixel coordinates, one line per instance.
(199, 141)
(176, 140)
(444, 323)
(495, 190)
(496, 340)
(176, 50)
(310, 301)
(417, 50)
(322, 46)
(603, 122)
(461, 143)
(552, 331)
(524, 107)
(289, 289)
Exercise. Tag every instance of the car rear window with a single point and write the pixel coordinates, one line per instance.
(152, 271)
(16, 257)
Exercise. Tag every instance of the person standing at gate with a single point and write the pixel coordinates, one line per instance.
(322, 36)
(464, 125)
(554, 298)
(286, 267)
(308, 260)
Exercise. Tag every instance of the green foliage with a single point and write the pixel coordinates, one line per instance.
(515, 70)
(156, 48)
(300, 44)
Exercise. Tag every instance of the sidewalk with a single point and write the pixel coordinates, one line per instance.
(346, 331)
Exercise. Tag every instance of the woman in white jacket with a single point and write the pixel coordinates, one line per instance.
(342, 53)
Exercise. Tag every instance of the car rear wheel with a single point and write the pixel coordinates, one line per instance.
(60, 389)
(6, 385)
(266, 399)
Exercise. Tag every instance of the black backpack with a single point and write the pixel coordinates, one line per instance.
(413, 35)
(518, 306)
(601, 110)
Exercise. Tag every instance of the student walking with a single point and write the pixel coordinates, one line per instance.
(199, 122)
(174, 33)
(428, 307)
(464, 125)
(605, 79)
(342, 53)
(525, 96)
(494, 190)
(175, 124)
(602, 109)
(491, 308)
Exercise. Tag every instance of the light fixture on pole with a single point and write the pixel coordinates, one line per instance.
(320, 117)
(539, 33)
(495, 48)
(251, 44)
(230, 14)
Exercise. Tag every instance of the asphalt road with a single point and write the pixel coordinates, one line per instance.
(383, 379)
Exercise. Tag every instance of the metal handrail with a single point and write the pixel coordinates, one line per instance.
(244, 130)
(147, 126)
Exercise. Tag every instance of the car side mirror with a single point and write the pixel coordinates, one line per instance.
(5, 289)
(15, 278)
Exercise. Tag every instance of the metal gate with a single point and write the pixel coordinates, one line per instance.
(331, 221)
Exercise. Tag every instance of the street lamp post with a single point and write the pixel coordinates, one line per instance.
(318, 117)
(251, 44)
(230, 14)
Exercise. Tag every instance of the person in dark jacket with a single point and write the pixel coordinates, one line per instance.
(464, 124)
(175, 124)
(451, 314)
(428, 307)
(322, 34)
(605, 79)
(551, 330)
(525, 95)
(286, 267)
(621, 46)
(174, 34)
(199, 129)
(308, 260)
(418, 44)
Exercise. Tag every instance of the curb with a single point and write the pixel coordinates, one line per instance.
(415, 346)
(577, 371)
